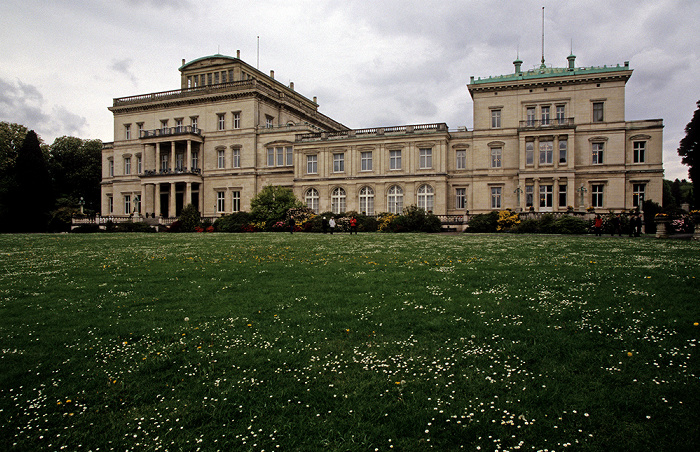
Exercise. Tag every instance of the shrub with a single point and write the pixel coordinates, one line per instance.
(529, 226)
(569, 225)
(189, 218)
(507, 220)
(483, 222)
(138, 226)
(235, 222)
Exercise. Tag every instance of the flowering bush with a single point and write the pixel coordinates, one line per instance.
(507, 219)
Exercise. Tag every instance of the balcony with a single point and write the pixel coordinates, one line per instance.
(557, 123)
(170, 172)
(372, 132)
(170, 131)
(184, 93)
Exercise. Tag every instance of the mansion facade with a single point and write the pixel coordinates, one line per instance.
(546, 139)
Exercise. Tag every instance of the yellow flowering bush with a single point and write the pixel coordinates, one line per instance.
(507, 219)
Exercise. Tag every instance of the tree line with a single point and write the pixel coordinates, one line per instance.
(42, 186)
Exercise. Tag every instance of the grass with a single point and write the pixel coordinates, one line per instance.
(370, 342)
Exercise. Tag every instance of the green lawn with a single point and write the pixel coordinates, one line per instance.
(371, 342)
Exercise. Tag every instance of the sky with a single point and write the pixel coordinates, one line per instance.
(370, 63)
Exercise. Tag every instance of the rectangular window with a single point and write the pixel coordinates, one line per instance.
(140, 126)
(236, 201)
(561, 113)
(366, 161)
(425, 158)
(110, 168)
(640, 148)
(221, 158)
(598, 115)
(598, 153)
(237, 120)
(395, 160)
(546, 193)
(209, 75)
(496, 154)
(530, 153)
(270, 156)
(127, 165)
(545, 115)
(530, 116)
(223, 77)
(529, 195)
(164, 162)
(312, 164)
(562, 195)
(216, 78)
(269, 121)
(179, 127)
(289, 151)
(193, 123)
(110, 204)
(280, 156)
(127, 204)
(127, 131)
(638, 194)
(495, 197)
(460, 198)
(220, 201)
(139, 164)
(546, 152)
(563, 146)
(597, 195)
(236, 158)
(179, 161)
(164, 126)
(461, 159)
(495, 119)
(221, 121)
(195, 159)
(230, 75)
(338, 163)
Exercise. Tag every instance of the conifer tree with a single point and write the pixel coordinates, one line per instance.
(33, 197)
(689, 149)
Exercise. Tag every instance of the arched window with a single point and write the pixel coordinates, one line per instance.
(394, 199)
(367, 201)
(338, 200)
(311, 199)
(426, 196)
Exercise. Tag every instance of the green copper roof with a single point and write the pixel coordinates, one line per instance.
(547, 72)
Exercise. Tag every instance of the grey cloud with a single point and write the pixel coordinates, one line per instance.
(124, 67)
(160, 4)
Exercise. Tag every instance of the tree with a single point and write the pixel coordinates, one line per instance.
(76, 171)
(31, 198)
(189, 218)
(11, 139)
(272, 203)
(689, 150)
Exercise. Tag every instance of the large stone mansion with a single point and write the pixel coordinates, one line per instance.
(544, 139)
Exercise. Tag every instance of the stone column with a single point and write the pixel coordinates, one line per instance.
(157, 168)
(536, 194)
(142, 210)
(171, 199)
(188, 194)
(172, 156)
(188, 156)
(156, 200)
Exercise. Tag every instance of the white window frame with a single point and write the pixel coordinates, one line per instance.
(311, 198)
(460, 198)
(394, 200)
(338, 197)
(339, 162)
(560, 114)
(367, 200)
(271, 157)
(110, 168)
(545, 112)
(496, 194)
(546, 152)
(426, 198)
(179, 126)
(236, 119)
(220, 201)
(598, 112)
(496, 118)
(221, 121)
(461, 159)
(235, 201)
(597, 192)
(597, 152)
(127, 165)
(638, 190)
(425, 158)
(366, 161)
(221, 158)
(193, 123)
(563, 151)
(639, 149)
(127, 204)
(195, 159)
(395, 160)
(269, 122)
(236, 157)
(179, 161)
(530, 114)
(529, 153)
(127, 131)
(546, 197)
(312, 164)
(497, 157)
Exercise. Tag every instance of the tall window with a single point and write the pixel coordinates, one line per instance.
(597, 195)
(496, 154)
(216, 78)
(562, 195)
(638, 194)
(164, 162)
(235, 201)
(530, 116)
(426, 197)
(164, 126)
(545, 115)
(546, 194)
(127, 131)
(140, 126)
(598, 153)
(530, 153)
(461, 158)
(338, 163)
(237, 120)
(179, 126)
(221, 158)
(179, 161)
(598, 115)
(563, 147)
(312, 164)
(270, 156)
(546, 152)
(236, 158)
(220, 201)
(280, 156)
(394, 199)
(529, 195)
(338, 200)
(110, 204)
(495, 197)
(561, 114)
(289, 152)
(395, 160)
(495, 119)
(460, 198)
(640, 148)
(311, 199)
(127, 204)
(221, 121)
(367, 201)
(139, 164)
(366, 161)
(425, 158)
(269, 121)
(193, 123)
(223, 77)
(195, 159)
(127, 165)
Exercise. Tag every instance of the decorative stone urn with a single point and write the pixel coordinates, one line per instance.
(696, 222)
(662, 222)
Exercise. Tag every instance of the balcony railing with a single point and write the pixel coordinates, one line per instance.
(556, 123)
(170, 131)
(186, 92)
(376, 131)
(170, 172)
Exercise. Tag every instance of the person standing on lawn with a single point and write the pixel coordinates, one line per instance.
(598, 226)
(331, 223)
(353, 225)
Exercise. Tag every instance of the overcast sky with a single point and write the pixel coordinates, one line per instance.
(370, 62)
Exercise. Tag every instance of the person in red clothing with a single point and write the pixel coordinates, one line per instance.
(353, 225)
(598, 225)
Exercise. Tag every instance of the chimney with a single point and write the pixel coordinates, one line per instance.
(291, 86)
(272, 74)
(183, 62)
(238, 54)
(315, 100)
